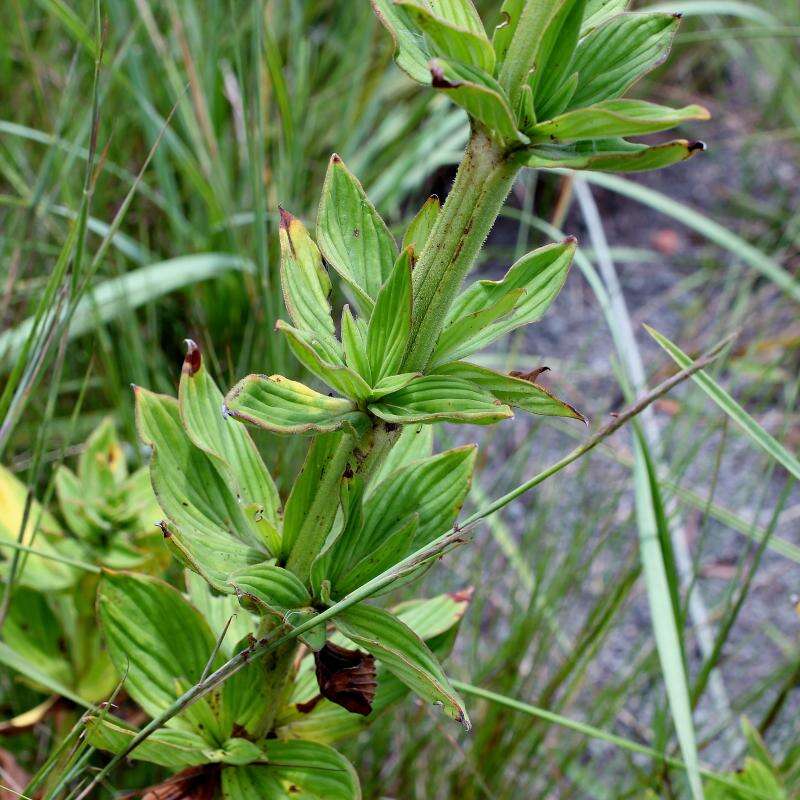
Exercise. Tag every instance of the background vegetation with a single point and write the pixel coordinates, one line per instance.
(177, 146)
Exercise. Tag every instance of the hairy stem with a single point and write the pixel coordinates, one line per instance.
(481, 185)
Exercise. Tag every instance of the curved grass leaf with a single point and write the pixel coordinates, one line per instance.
(611, 58)
(306, 285)
(160, 645)
(281, 405)
(754, 431)
(230, 445)
(352, 236)
(459, 36)
(615, 118)
(436, 398)
(514, 391)
(479, 94)
(403, 653)
(390, 322)
(339, 377)
(175, 749)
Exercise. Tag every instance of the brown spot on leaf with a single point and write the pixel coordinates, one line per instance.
(286, 217)
(529, 376)
(346, 677)
(438, 80)
(356, 233)
(193, 359)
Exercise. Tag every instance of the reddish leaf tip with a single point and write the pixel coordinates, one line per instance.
(336, 158)
(570, 240)
(286, 217)
(696, 147)
(462, 595)
(193, 359)
(438, 80)
(135, 388)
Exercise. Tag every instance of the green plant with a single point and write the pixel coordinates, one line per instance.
(371, 500)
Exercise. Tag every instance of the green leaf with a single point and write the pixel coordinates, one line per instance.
(479, 94)
(510, 13)
(620, 51)
(354, 341)
(101, 464)
(613, 156)
(393, 549)
(34, 632)
(175, 749)
(390, 322)
(210, 529)
(752, 429)
(306, 286)
(420, 227)
(598, 11)
(160, 645)
(352, 236)
(339, 377)
(410, 52)
(270, 589)
(461, 330)
(431, 489)
(415, 442)
(614, 118)
(281, 405)
(515, 391)
(458, 35)
(228, 444)
(313, 502)
(541, 274)
(392, 383)
(317, 771)
(403, 653)
(435, 398)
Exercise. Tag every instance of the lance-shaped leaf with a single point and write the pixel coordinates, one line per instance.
(619, 52)
(598, 11)
(269, 589)
(281, 405)
(420, 227)
(515, 390)
(392, 383)
(415, 442)
(228, 444)
(339, 377)
(160, 645)
(306, 285)
(432, 490)
(101, 464)
(479, 94)
(393, 549)
(435, 398)
(314, 770)
(461, 330)
(454, 30)
(410, 51)
(403, 653)
(211, 529)
(545, 81)
(175, 749)
(313, 501)
(615, 118)
(613, 155)
(390, 322)
(354, 342)
(352, 236)
(540, 274)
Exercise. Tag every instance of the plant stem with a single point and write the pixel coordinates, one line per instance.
(482, 183)
(435, 549)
